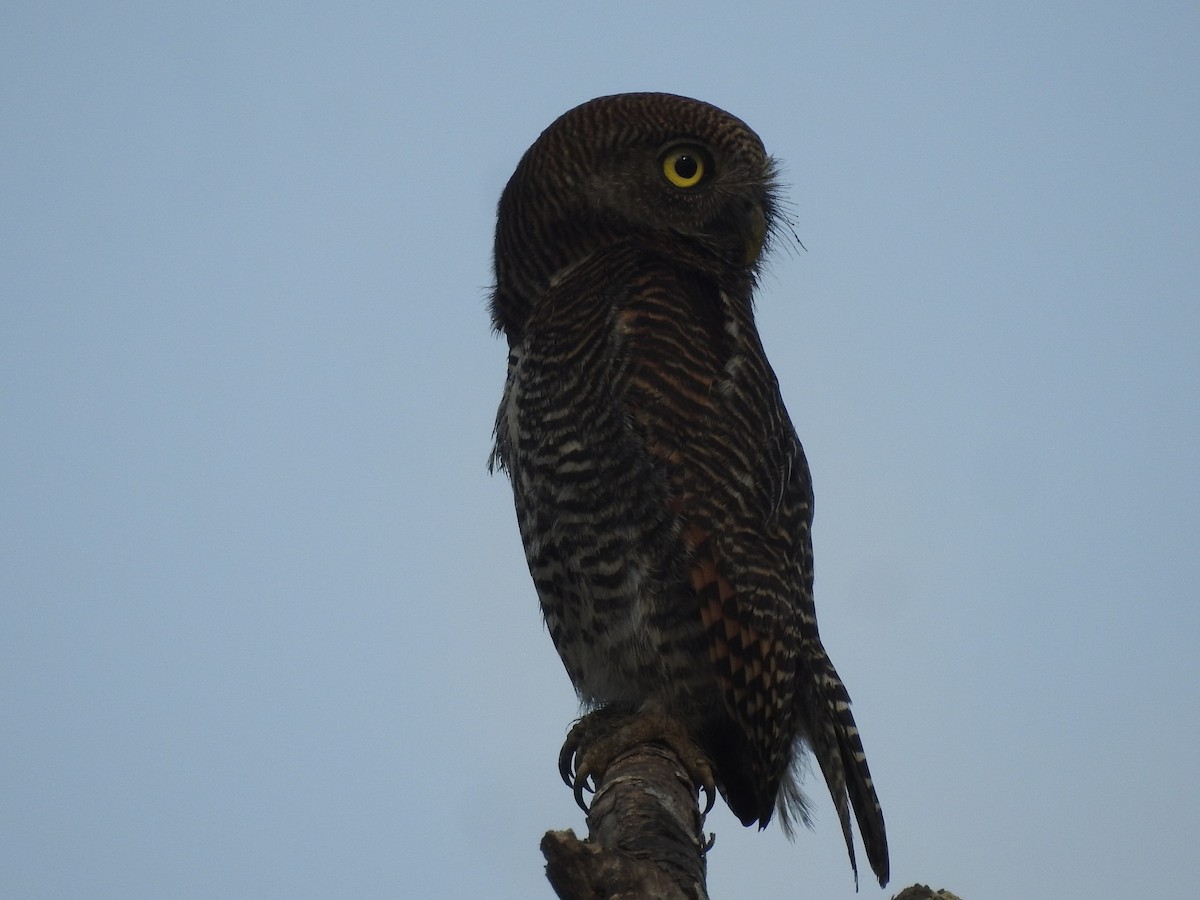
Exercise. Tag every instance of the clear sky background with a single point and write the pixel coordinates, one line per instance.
(265, 624)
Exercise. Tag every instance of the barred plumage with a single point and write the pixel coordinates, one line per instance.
(663, 497)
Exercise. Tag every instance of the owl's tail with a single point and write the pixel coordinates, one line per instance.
(836, 744)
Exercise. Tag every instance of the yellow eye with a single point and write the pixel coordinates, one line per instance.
(683, 166)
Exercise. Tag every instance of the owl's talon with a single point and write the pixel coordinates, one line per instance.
(601, 736)
(575, 758)
(697, 767)
(566, 759)
(578, 788)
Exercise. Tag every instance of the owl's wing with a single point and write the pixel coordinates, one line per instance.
(753, 664)
(702, 406)
(702, 391)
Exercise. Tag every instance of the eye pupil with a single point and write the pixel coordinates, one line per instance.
(686, 166)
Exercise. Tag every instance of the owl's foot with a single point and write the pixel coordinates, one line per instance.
(597, 739)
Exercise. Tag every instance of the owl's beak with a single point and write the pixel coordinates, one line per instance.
(754, 231)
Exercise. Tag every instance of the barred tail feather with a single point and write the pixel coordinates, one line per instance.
(867, 810)
(827, 750)
(839, 752)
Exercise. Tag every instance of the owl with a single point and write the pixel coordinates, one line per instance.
(663, 498)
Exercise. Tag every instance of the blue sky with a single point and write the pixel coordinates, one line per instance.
(265, 627)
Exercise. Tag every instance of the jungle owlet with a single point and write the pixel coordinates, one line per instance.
(663, 497)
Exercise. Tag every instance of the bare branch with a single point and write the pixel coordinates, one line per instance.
(645, 835)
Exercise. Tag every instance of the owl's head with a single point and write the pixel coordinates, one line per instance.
(679, 176)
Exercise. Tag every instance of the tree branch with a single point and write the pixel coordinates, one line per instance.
(924, 892)
(645, 834)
